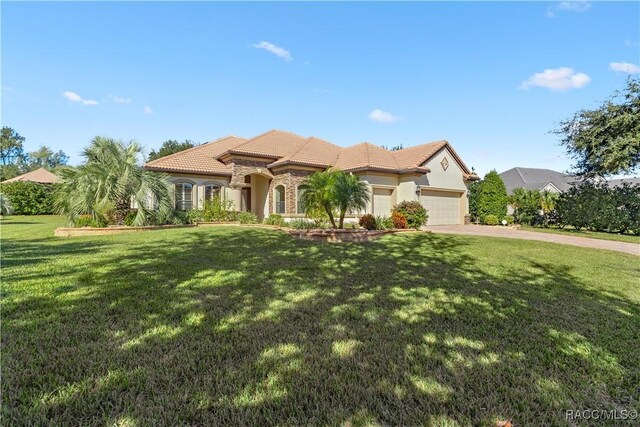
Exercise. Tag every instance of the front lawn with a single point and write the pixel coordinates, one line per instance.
(237, 326)
(568, 231)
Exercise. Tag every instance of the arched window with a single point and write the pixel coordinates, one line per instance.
(211, 191)
(279, 199)
(184, 196)
(301, 190)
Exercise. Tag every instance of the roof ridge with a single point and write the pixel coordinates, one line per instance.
(193, 148)
(517, 168)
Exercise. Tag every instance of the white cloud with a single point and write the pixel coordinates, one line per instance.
(147, 110)
(74, 97)
(624, 67)
(380, 116)
(562, 78)
(579, 6)
(276, 50)
(119, 100)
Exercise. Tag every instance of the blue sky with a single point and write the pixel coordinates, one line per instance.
(386, 73)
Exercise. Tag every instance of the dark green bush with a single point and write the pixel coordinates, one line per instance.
(414, 212)
(599, 207)
(275, 219)
(29, 198)
(368, 222)
(130, 217)
(509, 219)
(219, 209)
(491, 220)
(491, 197)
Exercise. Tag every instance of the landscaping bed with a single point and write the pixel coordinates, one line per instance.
(333, 235)
(98, 231)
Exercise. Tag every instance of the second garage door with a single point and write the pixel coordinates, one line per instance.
(442, 207)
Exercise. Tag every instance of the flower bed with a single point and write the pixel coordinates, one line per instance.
(93, 231)
(333, 235)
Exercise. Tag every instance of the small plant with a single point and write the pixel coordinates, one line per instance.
(130, 217)
(384, 223)
(414, 212)
(194, 216)
(247, 218)
(399, 220)
(509, 219)
(88, 221)
(491, 220)
(275, 219)
(218, 209)
(301, 224)
(368, 222)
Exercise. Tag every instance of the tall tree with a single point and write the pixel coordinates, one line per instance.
(44, 157)
(11, 153)
(109, 181)
(606, 140)
(170, 146)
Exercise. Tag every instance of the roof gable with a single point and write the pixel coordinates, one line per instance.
(40, 175)
(313, 152)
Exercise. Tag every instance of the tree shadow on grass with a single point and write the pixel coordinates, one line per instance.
(252, 327)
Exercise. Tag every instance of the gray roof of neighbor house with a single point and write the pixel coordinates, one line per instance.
(616, 182)
(41, 175)
(535, 179)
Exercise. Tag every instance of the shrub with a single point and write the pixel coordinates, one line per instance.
(368, 222)
(29, 198)
(247, 218)
(301, 224)
(399, 220)
(5, 205)
(414, 212)
(491, 220)
(492, 196)
(509, 219)
(194, 216)
(275, 219)
(219, 209)
(88, 221)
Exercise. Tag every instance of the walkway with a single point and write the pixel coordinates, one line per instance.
(511, 233)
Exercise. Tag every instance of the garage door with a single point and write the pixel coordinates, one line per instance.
(442, 207)
(381, 202)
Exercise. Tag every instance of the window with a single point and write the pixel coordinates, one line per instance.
(301, 190)
(211, 191)
(184, 196)
(279, 199)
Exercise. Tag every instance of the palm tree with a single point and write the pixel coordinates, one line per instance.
(109, 181)
(318, 194)
(350, 194)
(547, 204)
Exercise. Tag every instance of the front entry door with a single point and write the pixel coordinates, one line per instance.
(245, 199)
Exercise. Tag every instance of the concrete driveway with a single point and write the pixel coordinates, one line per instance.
(511, 233)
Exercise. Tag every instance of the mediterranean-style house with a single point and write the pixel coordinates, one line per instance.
(265, 174)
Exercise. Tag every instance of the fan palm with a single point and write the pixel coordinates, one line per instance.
(109, 181)
(318, 194)
(349, 194)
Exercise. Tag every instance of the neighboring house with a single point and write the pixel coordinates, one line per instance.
(265, 174)
(536, 179)
(618, 182)
(41, 176)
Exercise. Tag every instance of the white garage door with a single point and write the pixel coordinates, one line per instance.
(381, 202)
(442, 207)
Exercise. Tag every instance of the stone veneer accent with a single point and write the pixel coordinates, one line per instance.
(290, 179)
(241, 168)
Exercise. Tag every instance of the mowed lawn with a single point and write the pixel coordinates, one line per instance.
(627, 237)
(246, 326)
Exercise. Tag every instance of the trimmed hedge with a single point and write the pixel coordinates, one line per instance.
(29, 198)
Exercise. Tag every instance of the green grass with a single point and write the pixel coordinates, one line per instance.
(240, 326)
(630, 238)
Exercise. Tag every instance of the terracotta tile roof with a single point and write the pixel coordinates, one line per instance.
(314, 152)
(41, 175)
(366, 156)
(274, 144)
(412, 157)
(200, 159)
